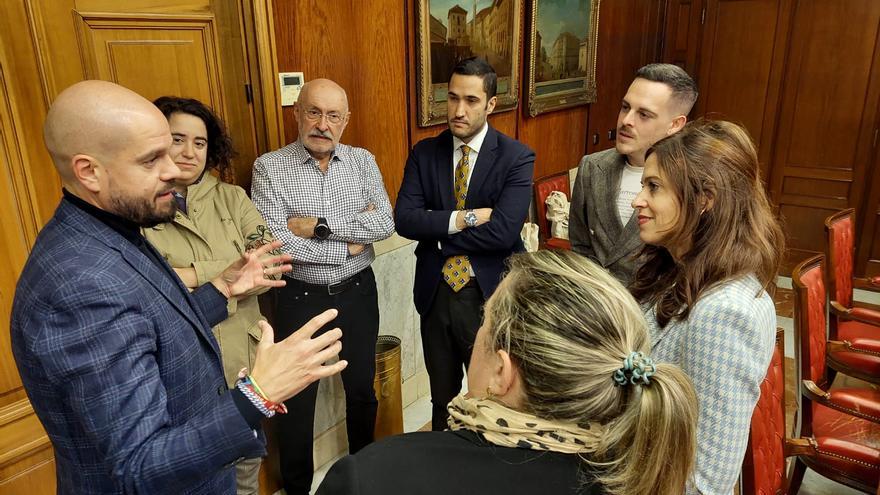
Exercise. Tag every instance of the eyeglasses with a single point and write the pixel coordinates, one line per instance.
(332, 117)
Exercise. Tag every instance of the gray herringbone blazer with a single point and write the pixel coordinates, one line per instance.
(594, 226)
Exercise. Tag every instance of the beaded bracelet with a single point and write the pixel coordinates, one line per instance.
(252, 391)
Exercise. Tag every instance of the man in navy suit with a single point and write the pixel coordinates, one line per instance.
(117, 357)
(464, 197)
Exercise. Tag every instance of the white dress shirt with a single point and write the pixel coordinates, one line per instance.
(475, 145)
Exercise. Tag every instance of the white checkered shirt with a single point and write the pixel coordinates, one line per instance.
(288, 183)
(724, 346)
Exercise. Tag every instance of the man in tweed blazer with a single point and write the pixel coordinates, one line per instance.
(602, 225)
(117, 357)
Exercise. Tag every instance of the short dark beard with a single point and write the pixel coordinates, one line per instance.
(141, 212)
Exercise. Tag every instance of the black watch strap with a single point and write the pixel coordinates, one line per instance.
(322, 230)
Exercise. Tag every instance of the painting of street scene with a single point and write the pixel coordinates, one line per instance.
(458, 29)
(563, 37)
(563, 53)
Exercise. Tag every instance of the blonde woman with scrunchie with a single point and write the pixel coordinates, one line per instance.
(564, 399)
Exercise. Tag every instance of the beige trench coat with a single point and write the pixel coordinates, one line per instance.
(221, 224)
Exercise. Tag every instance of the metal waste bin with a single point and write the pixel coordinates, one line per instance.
(387, 385)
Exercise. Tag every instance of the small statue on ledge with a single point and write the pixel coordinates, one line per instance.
(557, 212)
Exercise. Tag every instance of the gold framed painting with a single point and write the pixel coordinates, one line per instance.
(452, 30)
(562, 54)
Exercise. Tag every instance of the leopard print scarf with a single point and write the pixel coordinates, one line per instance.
(507, 427)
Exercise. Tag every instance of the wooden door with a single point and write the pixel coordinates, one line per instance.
(683, 27)
(868, 216)
(827, 118)
(193, 48)
(154, 47)
(741, 60)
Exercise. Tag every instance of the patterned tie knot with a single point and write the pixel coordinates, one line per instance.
(465, 150)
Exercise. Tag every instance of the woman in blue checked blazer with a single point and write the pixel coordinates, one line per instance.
(713, 248)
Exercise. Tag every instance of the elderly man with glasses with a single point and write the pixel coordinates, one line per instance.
(327, 203)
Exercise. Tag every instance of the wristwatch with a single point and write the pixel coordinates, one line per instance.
(322, 230)
(470, 218)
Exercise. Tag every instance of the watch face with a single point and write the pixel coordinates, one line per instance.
(470, 218)
(322, 231)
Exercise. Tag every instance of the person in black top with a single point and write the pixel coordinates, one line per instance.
(562, 400)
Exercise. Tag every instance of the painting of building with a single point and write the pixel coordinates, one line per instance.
(476, 27)
(563, 36)
(438, 31)
(457, 32)
(458, 29)
(562, 54)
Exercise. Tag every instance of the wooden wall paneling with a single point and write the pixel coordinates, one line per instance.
(14, 238)
(28, 105)
(379, 79)
(825, 127)
(26, 462)
(366, 55)
(868, 228)
(26, 458)
(739, 74)
(557, 138)
(258, 22)
(239, 112)
(682, 32)
(146, 6)
(868, 213)
(629, 37)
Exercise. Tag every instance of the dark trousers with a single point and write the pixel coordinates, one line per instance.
(295, 304)
(448, 332)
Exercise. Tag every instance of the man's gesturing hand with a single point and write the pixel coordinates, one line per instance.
(253, 271)
(286, 368)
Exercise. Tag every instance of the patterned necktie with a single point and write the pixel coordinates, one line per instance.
(457, 269)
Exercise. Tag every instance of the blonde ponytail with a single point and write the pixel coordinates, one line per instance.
(569, 326)
(651, 447)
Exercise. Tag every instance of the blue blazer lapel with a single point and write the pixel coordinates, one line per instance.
(171, 289)
(443, 169)
(485, 160)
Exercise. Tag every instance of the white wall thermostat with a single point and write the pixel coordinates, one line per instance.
(291, 83)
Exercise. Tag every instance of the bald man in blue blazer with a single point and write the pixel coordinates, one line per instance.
(116, 355)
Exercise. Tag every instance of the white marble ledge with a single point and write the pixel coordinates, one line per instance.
(390, 244)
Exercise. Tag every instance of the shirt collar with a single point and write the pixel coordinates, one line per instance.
(476, 142)
(303, 156)
(125, 227)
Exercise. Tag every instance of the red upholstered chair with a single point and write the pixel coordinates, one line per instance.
(848, 321)
(841, 426)
(764, 465)
(543, 188)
